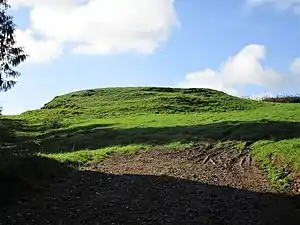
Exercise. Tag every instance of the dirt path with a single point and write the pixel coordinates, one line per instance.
(197, 186)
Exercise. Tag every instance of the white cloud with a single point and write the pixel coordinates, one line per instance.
(99, 26)
(279, 4)
(207, 79)
(243, 70)
(295, 67)
(39, 51)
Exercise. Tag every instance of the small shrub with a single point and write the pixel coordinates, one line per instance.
(88, 93)
(54, 123)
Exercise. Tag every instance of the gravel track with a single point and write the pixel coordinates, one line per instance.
(201, 185)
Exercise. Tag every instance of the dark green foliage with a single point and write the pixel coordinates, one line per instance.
(88, 93)
(283, 99)
(53, 123)
(10, 55)
(159, 89)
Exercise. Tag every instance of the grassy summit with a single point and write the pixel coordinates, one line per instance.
(107, 102)
(116, 101)
(85, 126)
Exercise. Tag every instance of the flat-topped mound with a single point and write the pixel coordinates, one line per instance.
(141, 100)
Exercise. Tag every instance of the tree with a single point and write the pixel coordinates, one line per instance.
(10, 55)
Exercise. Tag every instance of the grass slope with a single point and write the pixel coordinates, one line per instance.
(86, 126)
(108, 102)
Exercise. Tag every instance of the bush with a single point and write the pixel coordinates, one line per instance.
(282, 99)
(53, 123)
(88, 93)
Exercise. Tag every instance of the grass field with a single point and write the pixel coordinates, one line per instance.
(86, 126)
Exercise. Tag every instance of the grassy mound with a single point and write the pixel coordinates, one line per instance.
(107, 102)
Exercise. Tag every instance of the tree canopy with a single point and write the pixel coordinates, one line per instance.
(10, 54)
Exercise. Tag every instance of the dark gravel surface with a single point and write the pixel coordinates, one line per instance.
(160, 187)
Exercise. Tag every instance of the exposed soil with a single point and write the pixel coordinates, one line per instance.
(201, 185)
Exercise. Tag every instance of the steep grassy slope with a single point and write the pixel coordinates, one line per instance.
(85, 126)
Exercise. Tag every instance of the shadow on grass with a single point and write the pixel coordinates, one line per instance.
(98, 136)
(97, 198)
(23, 174)
(21, 125)
(17, 137)
(104, 135)
(10, 127)
(19, 170)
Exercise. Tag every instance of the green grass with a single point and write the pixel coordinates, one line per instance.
(84, 157)
(109, 102)
(87, 126)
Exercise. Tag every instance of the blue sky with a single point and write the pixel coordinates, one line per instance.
(244, 50)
